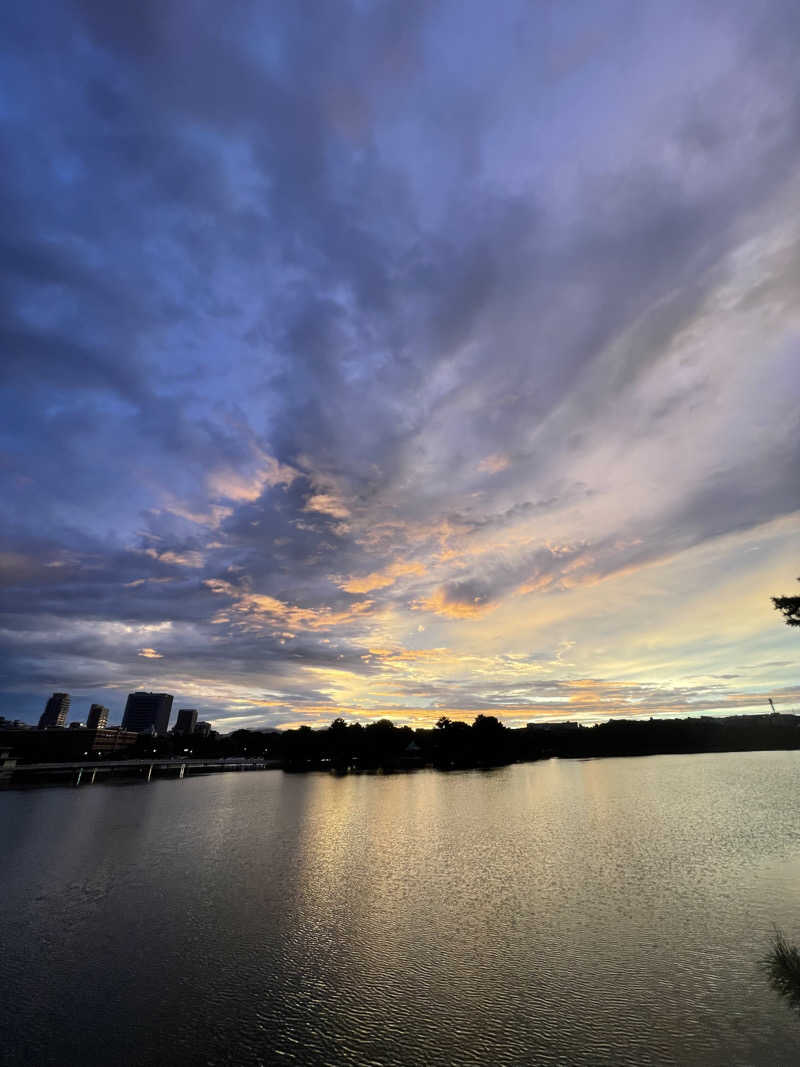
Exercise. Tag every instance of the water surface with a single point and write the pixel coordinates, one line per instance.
(597, 912)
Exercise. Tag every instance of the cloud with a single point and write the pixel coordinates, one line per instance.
(178, 559)
(252, 610)
(458, 600)
(298, 338)
(327, 504)
(381, 579)
(231, 484)
(149, 653)
(494, 464)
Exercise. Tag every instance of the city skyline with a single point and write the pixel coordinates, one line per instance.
(144, 712)
(424, 360)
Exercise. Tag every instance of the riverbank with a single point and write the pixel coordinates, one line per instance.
(385, 748)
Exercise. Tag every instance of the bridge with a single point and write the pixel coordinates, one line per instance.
(86, 771)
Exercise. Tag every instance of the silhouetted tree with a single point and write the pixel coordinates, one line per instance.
(300, 747)
(488, 733)
(487, 724)
(339, 746)
(790, 606)
(782, 967)
(384, 743)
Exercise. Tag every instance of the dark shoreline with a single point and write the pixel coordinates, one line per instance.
(383, 747)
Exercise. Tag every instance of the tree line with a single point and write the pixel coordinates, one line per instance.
(486, 742)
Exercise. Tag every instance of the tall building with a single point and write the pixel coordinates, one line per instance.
(147, 713)
(55, 712)
(98, 717)
(187, 720)
(203, 729)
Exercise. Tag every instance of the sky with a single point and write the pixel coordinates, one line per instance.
(400, 359)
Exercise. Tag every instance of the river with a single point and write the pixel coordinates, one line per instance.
(564, 912)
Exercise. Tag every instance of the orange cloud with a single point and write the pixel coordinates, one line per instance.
(149, 653)
(376, 580)
(380, 579)
(441, 604)
(391, 657)
(240, 486)
(328, 504)
(255, 609)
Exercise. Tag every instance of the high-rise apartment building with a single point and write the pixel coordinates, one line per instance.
(147, 713)
(187, 720)
(98, 717)
(55, 712)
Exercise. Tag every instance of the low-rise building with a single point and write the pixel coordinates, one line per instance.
(52, 746)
